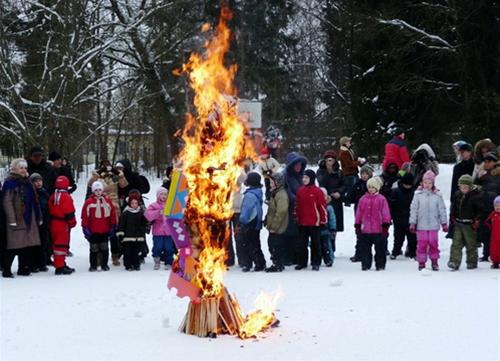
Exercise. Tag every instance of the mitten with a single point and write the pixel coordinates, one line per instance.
(357, 227)
(87, 233)
(413, 228)
(445, 227)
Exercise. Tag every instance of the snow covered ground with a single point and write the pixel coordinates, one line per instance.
(338, 313)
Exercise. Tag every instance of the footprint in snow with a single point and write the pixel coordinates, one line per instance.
(138, 314)
(166, 322)
(336, 283)
(425, 272)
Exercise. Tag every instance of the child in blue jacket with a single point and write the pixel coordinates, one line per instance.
(251, 224)
(328, 234)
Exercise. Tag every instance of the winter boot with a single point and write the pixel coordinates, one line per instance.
(104, 260)
(355, 259)
(93, 261)
(435, 266)
(157, 263)
(274, 268)
(471, 266)
(115, 259)
(259, 268)
(452, 266)
(421, 266)
(495, 265)
(315, 268)
(63, 271)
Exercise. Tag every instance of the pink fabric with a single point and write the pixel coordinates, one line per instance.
(427, 245)
(372, 212)
(154, 214)
(429, 175)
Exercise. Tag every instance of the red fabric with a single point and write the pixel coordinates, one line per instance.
(372, 212)
(396, 152)
(493, 221)
(62, 182)
(100, 225)
(310, 206)
(63, 219)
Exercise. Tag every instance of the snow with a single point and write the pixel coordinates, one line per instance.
(337, 313)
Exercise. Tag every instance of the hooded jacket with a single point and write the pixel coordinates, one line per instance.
(251, 207)
(98, 214)
(277, 213)
(427, 210)
(155, 214)
(310, 206)
(293, 179)
(396, 152)
(372, 212)
(399, 204)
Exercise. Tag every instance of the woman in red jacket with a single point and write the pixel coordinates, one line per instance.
(396, 151)
(62, 219)
(310, 210)
(98, 224)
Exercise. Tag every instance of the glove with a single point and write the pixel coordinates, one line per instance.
(475, 224)
(87, 233)
(357, 227)
(413, 228)
(112, 232)
(385, 230)
(445, 227)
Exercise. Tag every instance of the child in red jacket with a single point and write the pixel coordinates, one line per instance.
(98, 224)
(493, 222)
(310, 209)
(62, 219)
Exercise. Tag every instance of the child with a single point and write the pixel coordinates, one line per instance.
(372, 225)
(493, 222)
(132, 233)
(62, 213)
(162, 241)
(277, 222)
(98, 223)
(467, 209)
(251, 224)
(269, 167)
(42, 253)
(358, 190)
(399, 204)
(328, 233)
(310, 209)
(427, 213)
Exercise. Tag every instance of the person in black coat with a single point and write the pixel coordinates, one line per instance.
(330, 177)
(294, 171)
(42, 254)
(65, 170)
(399, 204)
(134, 180)
(465, 166)
(3, 227)
(389, 177)
(38, 164)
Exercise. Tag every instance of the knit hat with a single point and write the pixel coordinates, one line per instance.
(97, 185)
(253, 180)
(119, 165)
(407, 179)
(279, 179)
(374, 183)
(19, 162)
(264, 151)
(491, 156)
(35, 176)
(366, 169)
(330, 154)
(54, 156)
(62, 182)
(465, 180)
(496, 201)
(429, 175)
(37, 150)
(312, 176)
(132, 196)
(465, 147)
(344, 140)
(160, 191)
(459, 143)
(397, 131)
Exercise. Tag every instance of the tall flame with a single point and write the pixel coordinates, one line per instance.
(215, 148)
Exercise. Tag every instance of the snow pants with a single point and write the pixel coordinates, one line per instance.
(251, 253)
(328, 247)
(400, 232)
(427, 246)
(99, 245)
(306, 233)
(276, 245)
(463, 236)
(163, 246)
(367, 240)
(60, 233)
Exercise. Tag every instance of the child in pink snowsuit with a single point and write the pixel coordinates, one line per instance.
(427, 215)
(493, 222)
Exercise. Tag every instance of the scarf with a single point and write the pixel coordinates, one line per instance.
(100, 205)
(26, 192)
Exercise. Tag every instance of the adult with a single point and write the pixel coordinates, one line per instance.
(389, 177)
(294, 172)
(422, 160)
(349, 164)
(2, 229)
(331, 178)
(395, 150)
(38, 164)
(456, 149)
(268, 167)
(489, 180)
(481, 148)
(134, 180)
(23, 216)
(464, 166)
(63, 169)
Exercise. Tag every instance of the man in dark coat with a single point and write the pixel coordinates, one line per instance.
(465, 166)
(134, 180)
(331, 178)
(294, 171)
(38, 164)
(61, 169)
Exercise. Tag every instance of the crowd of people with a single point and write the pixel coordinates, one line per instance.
(305, 211)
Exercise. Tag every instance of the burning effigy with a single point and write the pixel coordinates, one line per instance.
(199, 204)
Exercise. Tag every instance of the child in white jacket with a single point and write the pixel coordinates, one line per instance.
(427, 215)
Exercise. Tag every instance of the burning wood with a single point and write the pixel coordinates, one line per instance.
(215, 148)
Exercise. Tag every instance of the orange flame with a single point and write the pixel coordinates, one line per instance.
(263, 315)
(215, 147)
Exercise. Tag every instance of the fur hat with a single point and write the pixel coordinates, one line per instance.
(97, 185)
(330, 154)
(496, 200)
(466, 180)
(312, 176)
(429, 175)
(344, 140)
(253, 180)
(366, 169)
(35, 176)
(374, 183)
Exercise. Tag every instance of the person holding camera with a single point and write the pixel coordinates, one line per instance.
(269, 167)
